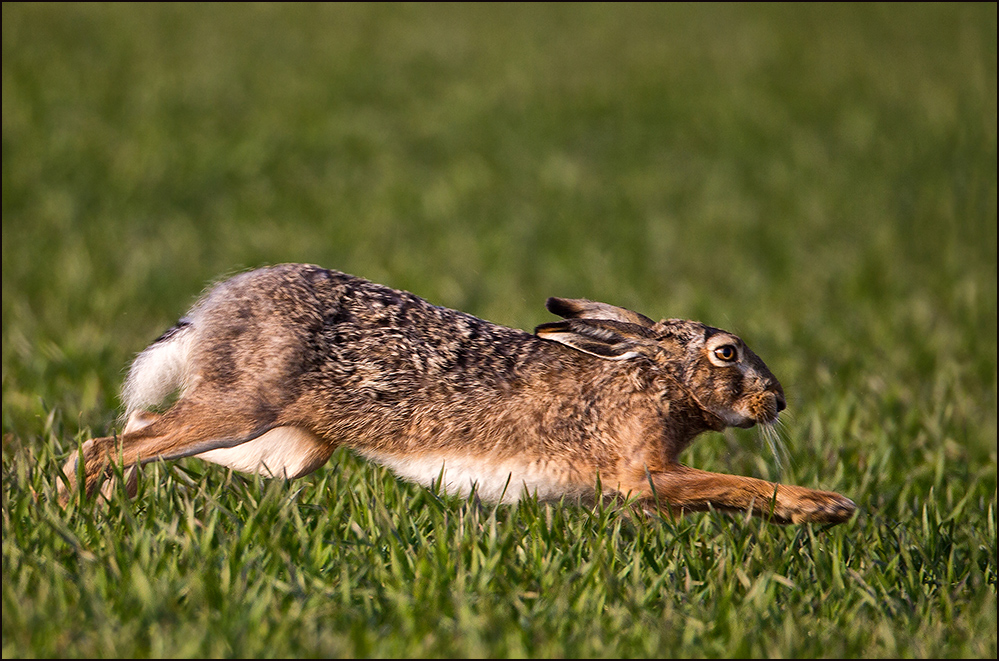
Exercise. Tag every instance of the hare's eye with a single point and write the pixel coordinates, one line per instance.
(727, 353)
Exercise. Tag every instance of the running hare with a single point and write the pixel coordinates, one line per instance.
(278, 367)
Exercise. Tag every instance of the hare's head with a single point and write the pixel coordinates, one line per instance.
(714, 368)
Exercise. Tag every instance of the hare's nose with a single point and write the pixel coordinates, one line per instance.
(778, 392)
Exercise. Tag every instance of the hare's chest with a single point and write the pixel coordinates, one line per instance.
(494, 480)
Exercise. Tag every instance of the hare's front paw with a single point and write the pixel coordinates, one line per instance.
(822, 507)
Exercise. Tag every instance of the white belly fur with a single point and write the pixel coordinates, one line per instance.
(505, 481)
(288, 452)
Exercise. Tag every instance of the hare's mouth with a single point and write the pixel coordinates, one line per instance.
(744, 422)
(762, 410)
(733, 418)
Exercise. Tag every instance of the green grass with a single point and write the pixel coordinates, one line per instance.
(819, 179)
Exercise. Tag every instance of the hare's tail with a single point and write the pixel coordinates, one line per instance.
(162, 368)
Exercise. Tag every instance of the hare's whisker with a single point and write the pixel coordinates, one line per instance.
(771, 433)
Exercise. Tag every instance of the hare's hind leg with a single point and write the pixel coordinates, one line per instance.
(95, 451)
(191, 428)
(681, 488)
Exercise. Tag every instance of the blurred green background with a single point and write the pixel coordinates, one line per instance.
(819, 178)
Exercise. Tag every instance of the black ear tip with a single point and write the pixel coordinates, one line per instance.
(561, 306)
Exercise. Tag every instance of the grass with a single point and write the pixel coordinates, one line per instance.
(820, 179)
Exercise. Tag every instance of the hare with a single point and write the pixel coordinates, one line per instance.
(279, 366)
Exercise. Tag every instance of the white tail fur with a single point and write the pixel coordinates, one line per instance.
(160, 370)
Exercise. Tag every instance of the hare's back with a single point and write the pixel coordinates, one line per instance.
(297, 318)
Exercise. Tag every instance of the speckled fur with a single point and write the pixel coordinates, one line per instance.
(279, 366)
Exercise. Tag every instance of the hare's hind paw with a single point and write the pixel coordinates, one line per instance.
(95, 454)
(67, 484)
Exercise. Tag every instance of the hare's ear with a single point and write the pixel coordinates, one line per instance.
(612, 340)
(581, 308)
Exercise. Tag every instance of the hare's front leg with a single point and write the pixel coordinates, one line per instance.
(681, 488)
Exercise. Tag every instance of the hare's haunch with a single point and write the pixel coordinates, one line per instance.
(278, 367)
